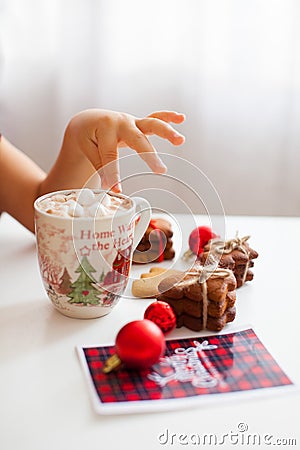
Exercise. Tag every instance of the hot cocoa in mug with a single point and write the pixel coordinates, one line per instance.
(85, 241)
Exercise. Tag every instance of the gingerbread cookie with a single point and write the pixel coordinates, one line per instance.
(156, 245)
(234, 254)
(202, 298)
(147, 285)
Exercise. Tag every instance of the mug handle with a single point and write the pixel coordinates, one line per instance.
(142, 206)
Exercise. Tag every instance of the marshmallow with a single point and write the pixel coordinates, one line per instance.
(75, 209)
(92, 211)
(104, 199)
(98, 210)
(86, 197)
(102, 211)
(62, 210)
(60, 198)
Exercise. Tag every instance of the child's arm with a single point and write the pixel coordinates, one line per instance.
(20, 180)
(90, 144)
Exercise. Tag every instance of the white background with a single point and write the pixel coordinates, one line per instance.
(232, 66)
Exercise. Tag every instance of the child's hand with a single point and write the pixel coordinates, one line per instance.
(99, 133)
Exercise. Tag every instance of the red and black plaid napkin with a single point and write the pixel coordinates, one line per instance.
(211, 365)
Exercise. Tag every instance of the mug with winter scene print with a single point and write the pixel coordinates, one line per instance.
(85, 240)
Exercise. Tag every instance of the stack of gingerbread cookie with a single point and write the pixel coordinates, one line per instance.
(201, 299)
(234, 254)
(156, 245)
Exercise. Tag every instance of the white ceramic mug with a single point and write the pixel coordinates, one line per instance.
(85, 261)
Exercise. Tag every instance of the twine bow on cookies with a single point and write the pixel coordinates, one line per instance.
(237, 243)
(209, 271)
(225, 247)
(203, 273)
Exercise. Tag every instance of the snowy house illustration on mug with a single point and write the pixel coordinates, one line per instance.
(120, 268)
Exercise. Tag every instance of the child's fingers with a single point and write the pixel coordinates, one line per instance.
(160, 128)
(98, 166)
(168, 116)
(139, 142)
(109, 172)
(110, 176)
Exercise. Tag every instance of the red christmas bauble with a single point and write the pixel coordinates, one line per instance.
(140, 344)
(199, 237)
(162, 315)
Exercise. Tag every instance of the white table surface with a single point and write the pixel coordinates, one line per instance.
(44, 402)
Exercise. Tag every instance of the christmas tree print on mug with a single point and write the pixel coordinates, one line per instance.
(85, 240)
(83, 290)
